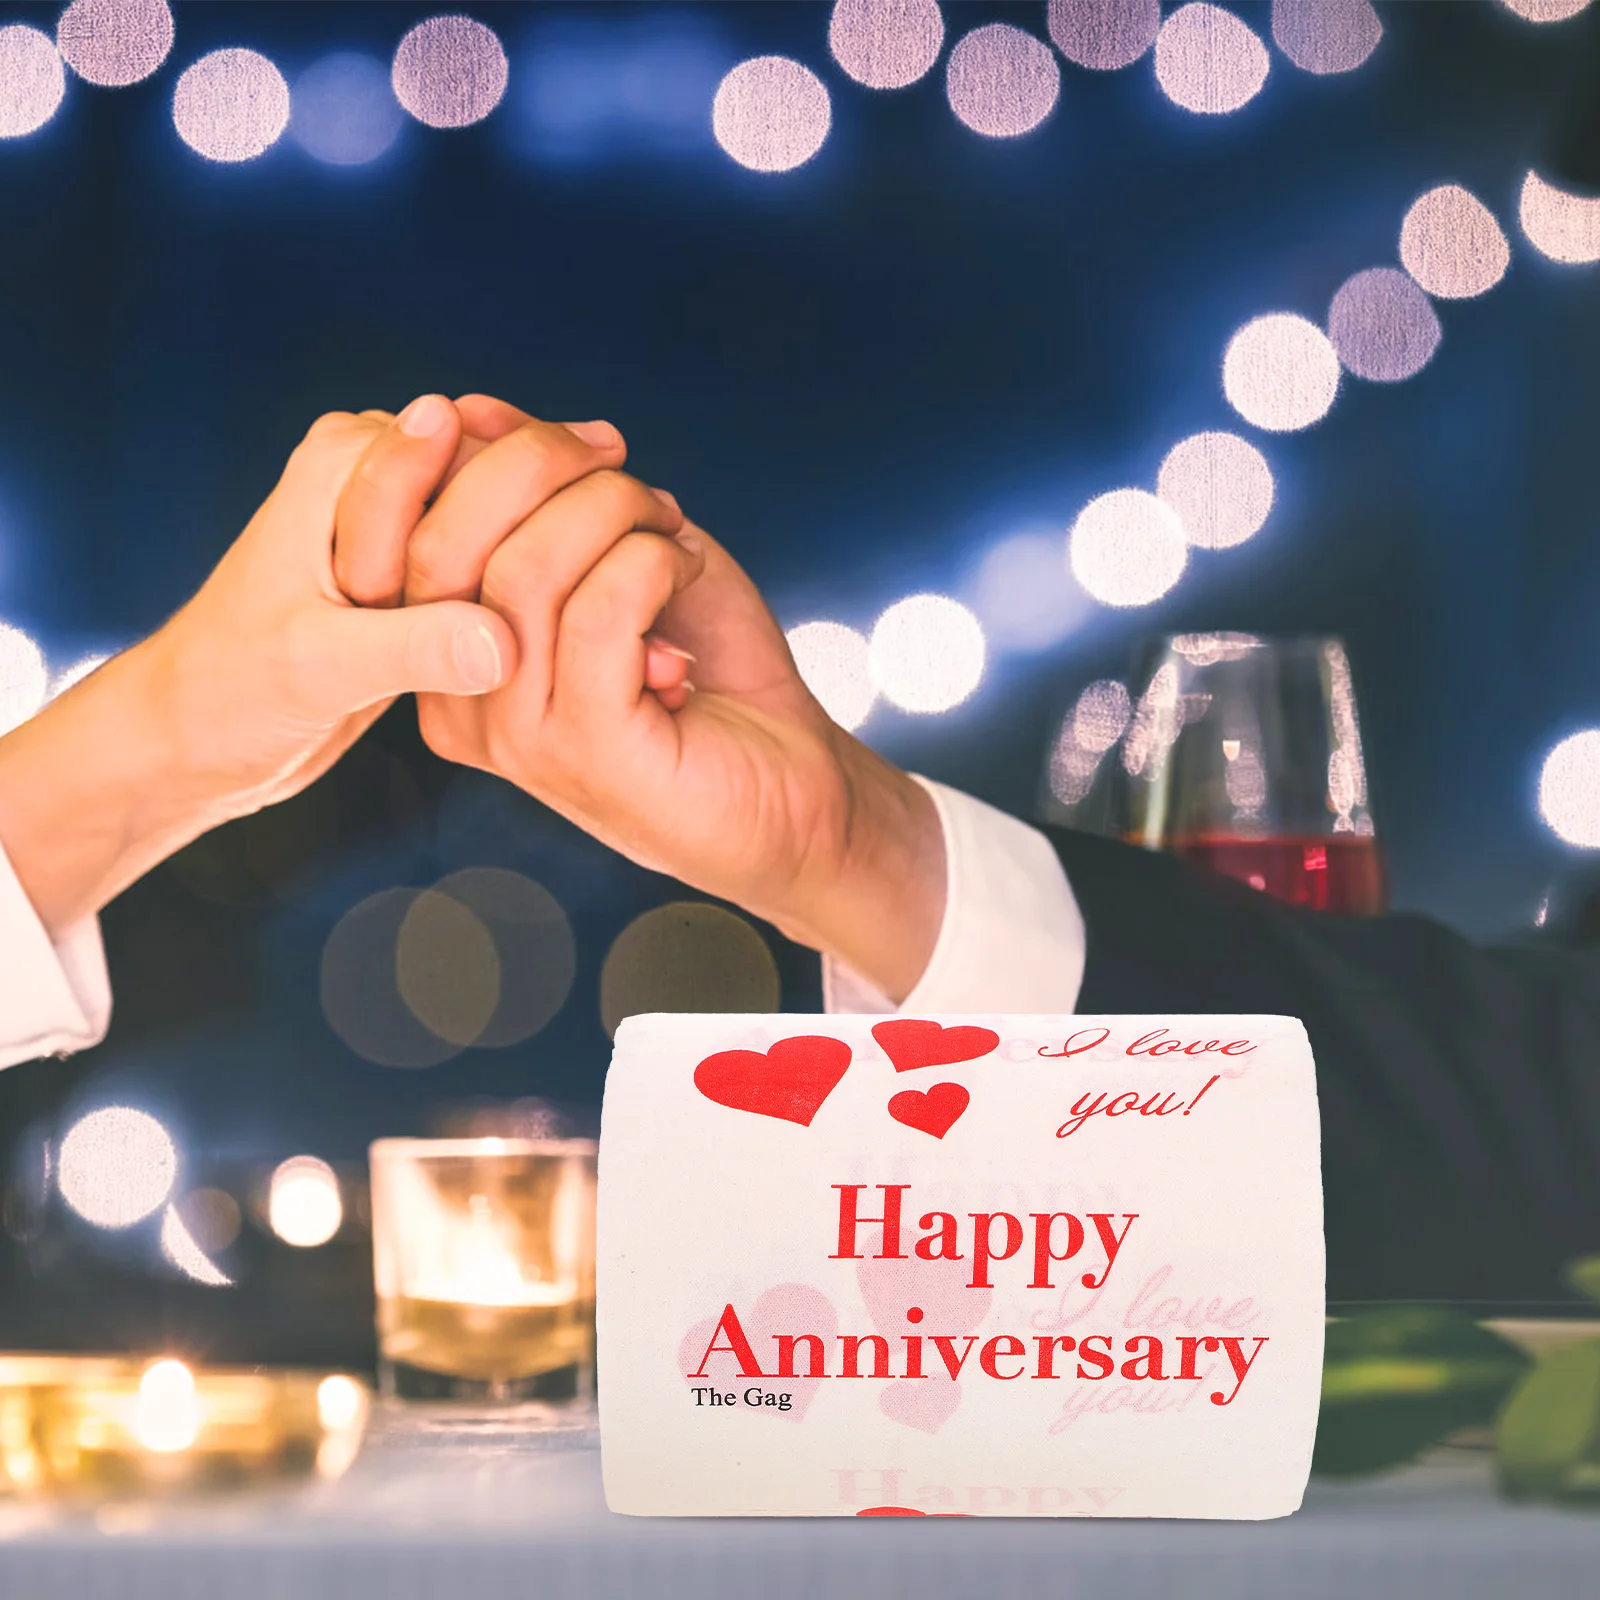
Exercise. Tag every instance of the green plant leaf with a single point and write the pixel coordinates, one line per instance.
(1547, 1440)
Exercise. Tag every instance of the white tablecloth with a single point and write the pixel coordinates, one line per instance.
(480, 1508)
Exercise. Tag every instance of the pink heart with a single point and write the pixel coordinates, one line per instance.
(784, 1308)
(938, 1288)
(922, 1403)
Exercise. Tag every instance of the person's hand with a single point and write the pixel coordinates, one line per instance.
(742, 786)
(259, 683)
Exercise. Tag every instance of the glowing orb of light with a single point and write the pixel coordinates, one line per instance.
(1101, 715)
(832, 662)
(340, 1401)
(1280, 372)
(1569, 790)
(886, 44)
(687, 956)
(304, 1207)
(167, 1413)
(345, 112)
(771, 114)
(1383, 326)
(1104, 35)
(1326, 36)
(1208, 61)
(1127, 548)
(1565, 227)
(926, 653)
(24, 677)
(32, 80)
(450, 72)
(1221, 487)
(1001, 81)
(231, 105)
(447, 968)
(1546, 10)
(1024, 594)
(1452, 245)
(114, 42)
(116, 1166)
(182, 1249)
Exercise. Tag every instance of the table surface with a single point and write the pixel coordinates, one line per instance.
(480, 1505)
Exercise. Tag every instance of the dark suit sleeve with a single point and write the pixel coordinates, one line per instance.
(1459, 1086)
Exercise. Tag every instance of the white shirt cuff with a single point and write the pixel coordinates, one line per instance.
(55, 997)
(1012, 939)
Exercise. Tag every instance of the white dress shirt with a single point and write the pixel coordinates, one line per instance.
(1012, 939)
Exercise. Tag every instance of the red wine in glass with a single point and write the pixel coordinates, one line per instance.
(1242, 755)
(1332, 872)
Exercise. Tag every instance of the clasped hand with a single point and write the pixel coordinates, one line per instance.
(562, 624)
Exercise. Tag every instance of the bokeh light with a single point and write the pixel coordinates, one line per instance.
(1546, 10)
(359, 986)
(447, 968)
(340, 1402)
(1221, 487)
(167, 1413)
(116, 1166)
(1326, 36)
(182, 1249)
(771, 114)
(1452, 245)
(32, 80)
(1104, 35)
(304, 1206)
(1383, 326)
(1562, 226)
(687, 956)
(926, 653)
(1001, 82)
(211, 1218)
(1024, 594)
(1101, 715)
(1280, 372)
(114, 42)
(231, 105)
(1127, 548)
(345, 112)
(450, 72)
(1208, 61)
(1569, 790)
(886, 44)
(832, 661)
(532, 941)
(24, 677)
(1072, 768)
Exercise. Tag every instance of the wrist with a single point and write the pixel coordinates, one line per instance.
(91, 792)
(877, 903)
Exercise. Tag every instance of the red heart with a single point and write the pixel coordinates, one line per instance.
(790, 1081)
(933, 1110)
(925, 1044)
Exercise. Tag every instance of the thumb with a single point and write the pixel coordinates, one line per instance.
(447, 647)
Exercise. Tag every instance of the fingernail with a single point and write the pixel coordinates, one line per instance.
(671, 649)
(424, 417)
(598, 435)
(478, 659)
(670, 501)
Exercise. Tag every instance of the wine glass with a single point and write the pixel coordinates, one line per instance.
(1240, 753)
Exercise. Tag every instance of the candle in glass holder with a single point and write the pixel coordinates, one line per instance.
(483, 1256)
